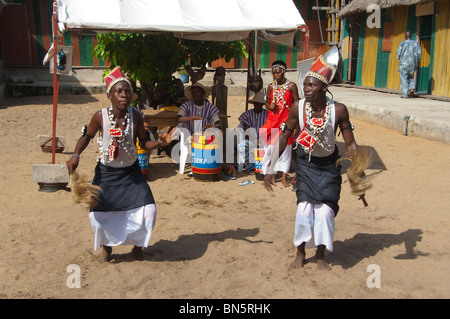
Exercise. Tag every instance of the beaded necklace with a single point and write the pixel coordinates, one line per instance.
(118, 138)
(317, 125)
(308, 138)
(279, 91)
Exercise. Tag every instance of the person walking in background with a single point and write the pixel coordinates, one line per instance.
(408, 52)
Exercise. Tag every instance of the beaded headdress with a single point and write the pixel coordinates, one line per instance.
(321, 70)
(282, 67)
(115, 76)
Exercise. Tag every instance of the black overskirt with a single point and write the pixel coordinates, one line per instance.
(318, 180)
(123, 188)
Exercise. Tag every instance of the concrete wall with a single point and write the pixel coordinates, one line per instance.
(38, 80)
(88, 80)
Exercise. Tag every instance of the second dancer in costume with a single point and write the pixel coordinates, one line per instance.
(281, 94)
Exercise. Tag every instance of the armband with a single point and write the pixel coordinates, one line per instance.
(349, 127)
(84, 132)
(285, 128)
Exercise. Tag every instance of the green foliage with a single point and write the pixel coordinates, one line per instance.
(152, 59)
(200, 52)
(145, 58)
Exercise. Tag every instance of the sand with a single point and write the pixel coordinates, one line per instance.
(220, 240)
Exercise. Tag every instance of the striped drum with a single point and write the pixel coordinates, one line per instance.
(206, 157)
(259, 154)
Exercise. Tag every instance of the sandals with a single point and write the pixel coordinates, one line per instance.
(228, 177)
(246, 182)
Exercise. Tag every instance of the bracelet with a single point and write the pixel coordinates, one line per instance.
(77, 155)
(162, 143)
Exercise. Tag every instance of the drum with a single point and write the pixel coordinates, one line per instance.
(206, 158)
(143, 158)
(259, 155)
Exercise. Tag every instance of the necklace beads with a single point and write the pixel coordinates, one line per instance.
(119, 138)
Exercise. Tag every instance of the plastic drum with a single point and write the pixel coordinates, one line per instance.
(259, 155)
(206, 158)
(143, 158)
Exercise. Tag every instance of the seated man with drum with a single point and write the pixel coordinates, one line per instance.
(201, 119)
(252, 119)
(198, 109)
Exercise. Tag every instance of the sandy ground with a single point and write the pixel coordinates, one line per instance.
(220, 240)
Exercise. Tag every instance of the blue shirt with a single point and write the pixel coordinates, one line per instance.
(409, 52)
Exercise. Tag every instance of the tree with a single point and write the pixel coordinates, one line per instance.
(152, 59)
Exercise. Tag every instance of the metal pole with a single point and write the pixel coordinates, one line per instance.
(55, 79)
(305, 54)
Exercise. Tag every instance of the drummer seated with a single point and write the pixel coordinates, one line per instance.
(198, 108)
(253, 118)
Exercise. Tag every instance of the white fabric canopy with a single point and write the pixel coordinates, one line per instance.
(213, 20)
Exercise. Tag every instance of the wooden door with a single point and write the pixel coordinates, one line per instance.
(14, 35)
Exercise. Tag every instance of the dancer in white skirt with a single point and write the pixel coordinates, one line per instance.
(126, 211)
(317, 175)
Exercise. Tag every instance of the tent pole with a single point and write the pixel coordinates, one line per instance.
(306, 30)
(256, 51)
(55, 79)
(305, 55)
(250, 60)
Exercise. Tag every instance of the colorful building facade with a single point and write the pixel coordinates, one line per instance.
(25, 37)
(369, 53)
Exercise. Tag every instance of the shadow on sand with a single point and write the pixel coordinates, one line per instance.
(351, 251)
(189, 247)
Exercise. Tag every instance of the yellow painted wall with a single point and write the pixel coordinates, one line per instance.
(399, 17)
(441, 57)
(370, 57)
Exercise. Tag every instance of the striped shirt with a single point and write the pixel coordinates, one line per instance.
(209, 113)
(253, 119)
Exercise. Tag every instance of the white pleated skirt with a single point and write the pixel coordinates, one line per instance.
(130, 227)
(314, 225)
(284, 161)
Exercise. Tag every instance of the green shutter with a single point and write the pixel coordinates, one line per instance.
(86, 51)
(381, 73)
(359, 64)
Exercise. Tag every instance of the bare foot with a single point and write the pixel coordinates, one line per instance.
(322, 264)
(320, 258)
(137, 253)
(299, 261)
(105, 254)
(284, 181)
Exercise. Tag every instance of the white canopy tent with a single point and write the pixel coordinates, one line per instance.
(207, 20)
(211, 20)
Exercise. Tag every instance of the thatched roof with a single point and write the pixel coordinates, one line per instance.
(357, 7)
